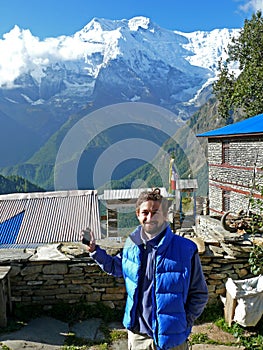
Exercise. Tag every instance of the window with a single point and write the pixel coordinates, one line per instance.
(225, 152)
(225, 200)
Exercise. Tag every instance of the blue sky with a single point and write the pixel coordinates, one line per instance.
(51, 18)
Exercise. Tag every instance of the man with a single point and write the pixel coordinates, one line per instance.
(166, 289)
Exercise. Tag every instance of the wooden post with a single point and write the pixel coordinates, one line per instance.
(229, 309)
(112, 223)
(3, 319)
(5, 294)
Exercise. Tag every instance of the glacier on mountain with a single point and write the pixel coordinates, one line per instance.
(112, 60)
(48, 85)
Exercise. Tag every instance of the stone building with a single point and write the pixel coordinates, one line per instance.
(235, 161)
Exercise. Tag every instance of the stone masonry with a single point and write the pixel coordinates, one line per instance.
(235, 174)
(65, 272)
(225, 255)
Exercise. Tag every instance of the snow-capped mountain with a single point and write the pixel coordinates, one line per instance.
(42, 83)
(133, 59)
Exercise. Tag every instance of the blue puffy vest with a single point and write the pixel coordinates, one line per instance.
(171, 284)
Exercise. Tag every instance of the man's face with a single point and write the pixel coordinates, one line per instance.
(151, 217)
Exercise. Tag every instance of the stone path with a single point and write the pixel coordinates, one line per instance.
(46, 333)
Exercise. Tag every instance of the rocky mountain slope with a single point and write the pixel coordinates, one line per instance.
(54, 83)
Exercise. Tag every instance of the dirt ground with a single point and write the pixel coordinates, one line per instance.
(47, 333)
(214, 333)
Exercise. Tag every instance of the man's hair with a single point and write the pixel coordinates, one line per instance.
(153, 195)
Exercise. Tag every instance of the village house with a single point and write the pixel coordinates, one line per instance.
(29, 271)
(117, 200)
(33, 219)
(32, 274)
(235, 161)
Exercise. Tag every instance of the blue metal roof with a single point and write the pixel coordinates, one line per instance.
(253, 125)
(9, 229)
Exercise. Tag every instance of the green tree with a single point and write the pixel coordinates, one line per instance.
(15, 183)
(224, 90)
(256, 204)
(243, 92)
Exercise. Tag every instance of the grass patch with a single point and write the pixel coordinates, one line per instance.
(202, 338)
(117, 335)
(72, 342)
(249, 337)
(4, 347)
(199, 338)
(86, 347)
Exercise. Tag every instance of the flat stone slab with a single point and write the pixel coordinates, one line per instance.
(46, 333)
(45, 330)
(89, 329)
(216, 347)
(49, 252)
(10, 255)
(29, 345)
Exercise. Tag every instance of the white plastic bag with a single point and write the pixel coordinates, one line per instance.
(249, 296)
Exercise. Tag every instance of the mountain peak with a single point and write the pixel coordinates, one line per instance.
(156, 60)
(101, 24)
(139, 22)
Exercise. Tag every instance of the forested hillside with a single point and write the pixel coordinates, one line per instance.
(13, 184)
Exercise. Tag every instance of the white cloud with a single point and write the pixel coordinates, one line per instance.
(21, 52)
(252, 5)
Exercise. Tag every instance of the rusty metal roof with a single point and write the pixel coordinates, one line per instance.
(47, 217)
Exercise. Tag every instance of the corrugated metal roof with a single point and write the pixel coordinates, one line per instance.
(253, 125)
(132, 193)
(47, 217)
(184, 184)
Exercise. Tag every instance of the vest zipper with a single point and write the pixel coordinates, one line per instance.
(155, 303)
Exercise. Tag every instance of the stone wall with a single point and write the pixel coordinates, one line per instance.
(236, 175)
(224, 255)
(66, 273)
(243, 151)
(47, 283)
(60, 277)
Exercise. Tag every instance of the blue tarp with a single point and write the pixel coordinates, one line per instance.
(251, 125)
(9, 229)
